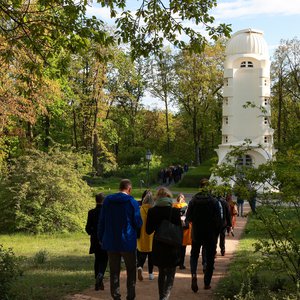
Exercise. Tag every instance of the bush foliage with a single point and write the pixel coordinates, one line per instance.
(44, 192)
(9, 271)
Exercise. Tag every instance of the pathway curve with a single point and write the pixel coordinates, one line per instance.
(148, 290)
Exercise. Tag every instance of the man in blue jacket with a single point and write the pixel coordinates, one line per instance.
(119, 221)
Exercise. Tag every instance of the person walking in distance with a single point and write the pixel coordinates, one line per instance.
(165, 256)
(181, 204)
(101, 258)
(119, 221)
(204, 213)
(144, 242)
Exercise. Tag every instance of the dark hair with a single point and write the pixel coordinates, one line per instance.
(204, 182)
(99, 198)
(125, 184)
(144, 194)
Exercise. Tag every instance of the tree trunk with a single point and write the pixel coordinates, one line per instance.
(75, 130)
(279, 120)
(29, 132)
(167, 121)
(196, 140)
(47, 131)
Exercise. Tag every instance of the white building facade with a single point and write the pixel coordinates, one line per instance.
(247, 80)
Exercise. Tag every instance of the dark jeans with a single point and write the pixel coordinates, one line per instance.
(165, 282)
(222, 239)
(141, 258)
(182, 255)
(115, 267)
(210, 249)
(100, 264)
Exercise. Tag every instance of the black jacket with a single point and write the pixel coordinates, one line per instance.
(226, 220)
(163, 255)
(91, 228)
(204, 213)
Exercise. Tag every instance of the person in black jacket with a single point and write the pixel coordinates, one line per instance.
(164, 256)
(226, 223)
(204, 213)
(101, 257)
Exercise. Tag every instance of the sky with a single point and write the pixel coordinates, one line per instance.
(278, 19)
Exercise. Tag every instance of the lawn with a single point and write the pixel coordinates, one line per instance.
(52, 265)
(254, 275)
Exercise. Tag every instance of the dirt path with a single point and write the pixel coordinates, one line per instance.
(148, 290)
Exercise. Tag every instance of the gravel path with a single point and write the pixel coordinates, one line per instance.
(148, 290)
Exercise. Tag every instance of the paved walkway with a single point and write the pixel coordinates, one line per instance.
(148, 290)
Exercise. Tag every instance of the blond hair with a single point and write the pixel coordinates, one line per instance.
(163, 192)
(180, 197)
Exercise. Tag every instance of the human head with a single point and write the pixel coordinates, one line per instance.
(125, 186)
(148, 198)
(99, 198)
(180, 198)
(163, 192)
(204, 182)
(145, 193)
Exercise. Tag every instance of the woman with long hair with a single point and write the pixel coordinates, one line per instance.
(166, 257)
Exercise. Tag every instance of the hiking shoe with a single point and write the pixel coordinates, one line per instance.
(140, 274)
(99, 282)
(182, 267)
(194, 285)
(222, 252)
(151, 276)
(207, 287)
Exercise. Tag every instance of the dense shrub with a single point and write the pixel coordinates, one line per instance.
(9, 271)
(44, 192)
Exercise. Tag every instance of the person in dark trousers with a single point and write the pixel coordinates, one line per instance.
(226, 222)
(101, 258)
(164, 256)
(117, 231)
(204, 213)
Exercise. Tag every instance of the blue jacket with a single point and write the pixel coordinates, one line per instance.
(120, 218)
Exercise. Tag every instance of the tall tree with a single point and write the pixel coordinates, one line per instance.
(286, 92)
(199, 82)
(162, 83)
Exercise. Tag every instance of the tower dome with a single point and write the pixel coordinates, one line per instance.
(247, 41)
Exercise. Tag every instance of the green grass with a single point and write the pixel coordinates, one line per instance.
(192, 178)
(253, 275)
(68, 267)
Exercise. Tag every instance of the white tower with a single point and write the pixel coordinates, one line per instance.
(247, 79)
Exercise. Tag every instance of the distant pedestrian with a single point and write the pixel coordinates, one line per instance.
(120, 219)
(240, 206)
(181, 204)
(165, 256)
(204, 213)
(233, 213)
(144, 242)
(101, 258)
(226, 222)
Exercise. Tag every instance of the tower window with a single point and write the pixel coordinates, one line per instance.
(225, 138)
(225, 101)
(225, 120)
(246, 64)
(266, 120)
(266, 101)
(267, 139)
(226, 82)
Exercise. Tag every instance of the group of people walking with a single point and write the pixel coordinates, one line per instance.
(121, 228)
